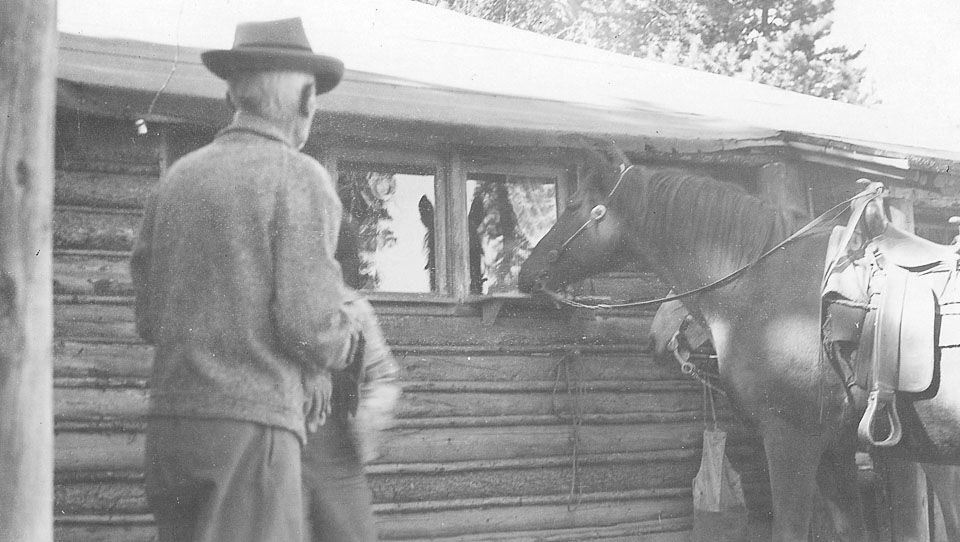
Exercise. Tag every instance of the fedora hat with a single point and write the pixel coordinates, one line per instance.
(274, 46)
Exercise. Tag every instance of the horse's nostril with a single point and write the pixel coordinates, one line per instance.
(552, 257)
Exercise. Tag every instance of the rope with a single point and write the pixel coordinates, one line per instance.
(577, 389)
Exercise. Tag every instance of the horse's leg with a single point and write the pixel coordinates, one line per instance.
(907, 491)
(837, 480)
(792, 461)
(945, 480)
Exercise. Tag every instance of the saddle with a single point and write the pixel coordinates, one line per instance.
(897, 297)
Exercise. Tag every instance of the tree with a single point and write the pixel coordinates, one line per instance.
(778, 43)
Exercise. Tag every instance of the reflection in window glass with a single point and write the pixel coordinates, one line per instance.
(507, 216)
(384, 243)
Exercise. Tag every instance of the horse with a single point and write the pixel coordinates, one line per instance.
(674, 329)
(765, 324)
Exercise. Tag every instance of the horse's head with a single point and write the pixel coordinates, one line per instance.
(588, 237)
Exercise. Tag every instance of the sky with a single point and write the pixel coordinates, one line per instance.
(911, 51)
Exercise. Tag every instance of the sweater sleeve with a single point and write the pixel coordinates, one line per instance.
(313, 310)
(140, 274)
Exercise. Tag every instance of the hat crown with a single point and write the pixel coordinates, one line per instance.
(280, 34)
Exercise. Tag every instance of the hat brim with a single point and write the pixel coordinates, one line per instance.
(327, 70)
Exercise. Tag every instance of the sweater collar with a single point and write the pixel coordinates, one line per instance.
(245, 122)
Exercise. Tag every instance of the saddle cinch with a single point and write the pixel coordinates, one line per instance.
(896, 296)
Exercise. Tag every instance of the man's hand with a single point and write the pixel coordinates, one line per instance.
(318, 407)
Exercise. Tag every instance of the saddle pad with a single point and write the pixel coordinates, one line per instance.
(842, 277)
(906, 329)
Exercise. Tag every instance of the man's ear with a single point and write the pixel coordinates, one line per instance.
(307, 100)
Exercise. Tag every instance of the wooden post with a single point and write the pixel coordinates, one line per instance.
(28, 51)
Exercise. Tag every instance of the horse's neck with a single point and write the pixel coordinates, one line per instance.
(694, 263)
(687, 268)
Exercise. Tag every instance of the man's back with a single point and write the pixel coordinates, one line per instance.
(221, 229)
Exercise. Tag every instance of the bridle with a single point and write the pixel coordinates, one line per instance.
(597, 215)
(600, 210)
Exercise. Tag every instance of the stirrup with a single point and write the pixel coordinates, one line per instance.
(886, 400)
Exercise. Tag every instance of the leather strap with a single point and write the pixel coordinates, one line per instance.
(886, 372)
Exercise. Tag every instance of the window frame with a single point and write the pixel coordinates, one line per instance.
(452, 167)
(333, 157)
(564, 178)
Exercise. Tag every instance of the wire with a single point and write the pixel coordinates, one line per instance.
(141, 123)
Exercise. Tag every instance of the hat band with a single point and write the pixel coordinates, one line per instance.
(267, 45)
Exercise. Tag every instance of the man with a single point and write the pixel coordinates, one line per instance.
(338, 499)
(336, 494)
(238, 290)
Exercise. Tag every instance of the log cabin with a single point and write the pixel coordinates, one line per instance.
(520, 420)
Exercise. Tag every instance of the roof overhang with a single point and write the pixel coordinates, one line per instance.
(413, 64)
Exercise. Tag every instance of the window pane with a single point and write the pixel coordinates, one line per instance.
(507, 216)
(384, 245)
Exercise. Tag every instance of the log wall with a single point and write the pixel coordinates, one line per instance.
(542, 423)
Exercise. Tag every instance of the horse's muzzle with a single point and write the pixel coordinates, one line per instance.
(534, 284)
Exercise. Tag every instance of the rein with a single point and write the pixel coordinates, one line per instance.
(827, 216)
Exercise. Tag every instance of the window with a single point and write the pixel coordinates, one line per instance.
(387, 240)
(443, 225)
(507, 216)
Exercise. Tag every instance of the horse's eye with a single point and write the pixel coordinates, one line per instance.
(573, 204)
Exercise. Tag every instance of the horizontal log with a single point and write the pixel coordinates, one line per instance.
(443, 491)
(114, 528)
(104, 529)
(112, 320)
(93, 403)
(450, 485)
(479, 520)
(98, 451)
(96, 497)
(107, 190)
(557, 480)
(543, 365)
(114, 447)
(463, 444)
(99, 360)
(105, 357)
(558, 388)
(94, 322)
(102, 400)
(659, 530)
(94, 229)
(474, 403)
(92, 273)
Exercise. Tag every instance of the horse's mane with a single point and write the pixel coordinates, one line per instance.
(707, 216)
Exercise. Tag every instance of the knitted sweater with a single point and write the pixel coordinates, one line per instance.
(236, 283)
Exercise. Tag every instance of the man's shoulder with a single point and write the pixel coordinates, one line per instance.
(306, 164)
(266, 156)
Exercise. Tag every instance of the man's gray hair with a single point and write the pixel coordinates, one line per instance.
(272, 95)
